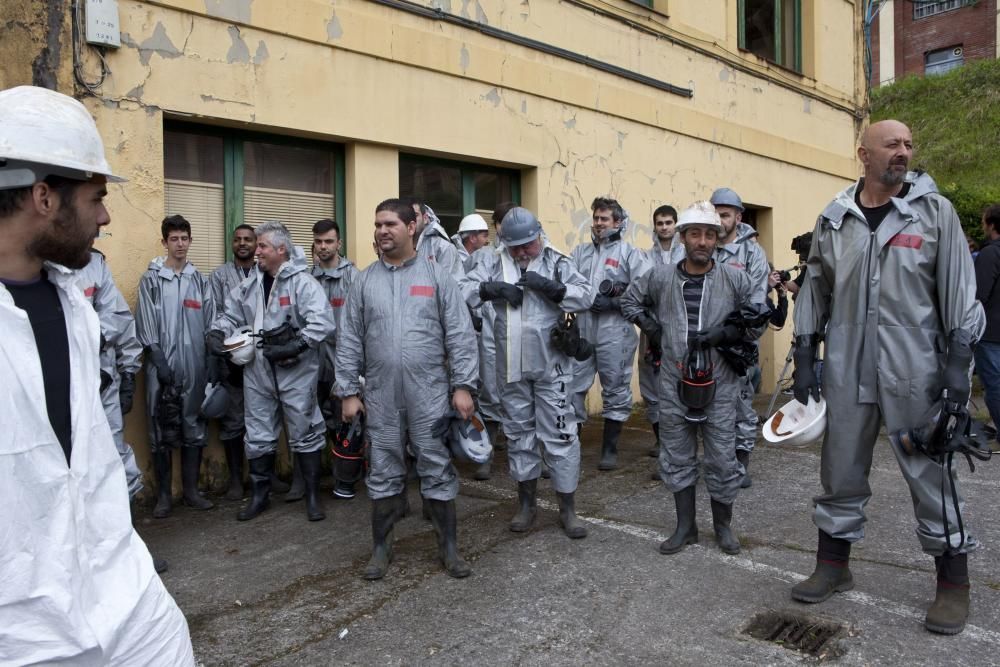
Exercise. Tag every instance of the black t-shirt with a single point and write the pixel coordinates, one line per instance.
(40, 300)
(876, 214)
(268, 284)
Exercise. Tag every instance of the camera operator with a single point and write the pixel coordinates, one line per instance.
(891, 276)
(778, 306)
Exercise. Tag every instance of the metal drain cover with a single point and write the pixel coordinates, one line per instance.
(813, 636)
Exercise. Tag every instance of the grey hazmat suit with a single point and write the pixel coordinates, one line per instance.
(271, 391)
(649, 375)
(746, 254)
(223, 280)
(336, 284)
(489, 394)
(614, 338)
(435, 245)
(407, 330)
(889, 300)
(535, 379)
(120, 354)
(725, 289)
(174, 313)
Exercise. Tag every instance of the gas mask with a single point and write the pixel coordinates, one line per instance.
(697, 385)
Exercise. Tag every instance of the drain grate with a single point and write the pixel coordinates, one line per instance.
(798, 632)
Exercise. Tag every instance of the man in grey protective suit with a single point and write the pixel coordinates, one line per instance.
(890, 279)
(609, 264)
(223, 280)
(407, 331)
(174, 313)
(288, 308)
(664, 227)
(738, 247)
(532, 285)
(432, 240)
(120, 352)
(335, 275)
(685, 309)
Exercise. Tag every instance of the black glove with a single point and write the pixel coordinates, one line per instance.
(717, 335)
(955, 379)
(164, 374)
(493, 290)
(650, 327)
(106, 381)
(477, 322)
(217, 343)
(804, 383)
(550, 289)
(442, 424)
(285, 351)
(126, 391)
(215, 370)
(603, 304)
(102, 343)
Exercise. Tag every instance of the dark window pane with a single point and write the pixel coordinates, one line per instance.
(281, 167)
(192, 157)
(759, 27)
(439, 186)
(492, 189)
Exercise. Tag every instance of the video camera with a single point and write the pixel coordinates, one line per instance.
(800, 245)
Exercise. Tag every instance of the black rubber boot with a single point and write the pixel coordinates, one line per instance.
(686, 531)
(425, 509)
(722, 517)
(234, 462)
(163, 468)
(310, 465)
(446, 524)
(832, 574)
(190, 469)
(297, 491)
(743, 456)
(160, 565)
(654, 451)
(261, 469)
(527, 508)
(279, 485)
(496, 436)
(609, 445)
(385, 513)
(483, 471)
(950, 609)
(568, 519)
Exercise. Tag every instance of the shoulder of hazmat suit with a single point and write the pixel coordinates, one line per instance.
(435, 246)
(336, 284)
(78, 584)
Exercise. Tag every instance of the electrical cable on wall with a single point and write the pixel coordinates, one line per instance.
(94, 87)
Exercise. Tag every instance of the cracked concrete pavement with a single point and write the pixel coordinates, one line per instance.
(280, 590)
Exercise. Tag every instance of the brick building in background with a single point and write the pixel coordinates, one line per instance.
(931, 37)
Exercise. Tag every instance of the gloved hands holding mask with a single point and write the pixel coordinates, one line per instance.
(603, 303)
(286, 353)
(804, 382)
(955, 378)
(217, 343)
(490, 291)
(717, 335)
(550, 289)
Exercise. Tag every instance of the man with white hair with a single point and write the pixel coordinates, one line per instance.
(287, 304)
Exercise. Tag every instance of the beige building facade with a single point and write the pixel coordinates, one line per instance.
(232, 111)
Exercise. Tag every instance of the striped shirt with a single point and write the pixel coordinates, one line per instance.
(692, 288)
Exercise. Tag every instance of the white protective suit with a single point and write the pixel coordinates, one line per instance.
(175, 312)
(120, 353)
(223, 280)
(407, 330)
(649, 375)
(272, 390)
(889, 301)
(725, 290)
(534, 379)
(614, 338)
(78, 582)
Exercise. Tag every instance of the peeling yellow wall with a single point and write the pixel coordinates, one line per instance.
(382, 82)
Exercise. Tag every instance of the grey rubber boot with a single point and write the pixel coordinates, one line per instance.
(722, 517)
(527, 509)
(950, 610)
(832, 574)
(686, 531)
(261, 469)
(609, 444)
(743, 456)
(190, 469)
(163, 468)
(445, 520)
(568, 519)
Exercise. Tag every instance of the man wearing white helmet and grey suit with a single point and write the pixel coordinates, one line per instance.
(78, 582)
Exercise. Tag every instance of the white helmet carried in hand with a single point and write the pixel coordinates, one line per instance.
(473, 223)
(240, 346)
(469, 440)
(797, 424)
(45, 133)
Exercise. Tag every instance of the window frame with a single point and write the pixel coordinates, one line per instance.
(927, 6)
(796, 64)
(233, 170)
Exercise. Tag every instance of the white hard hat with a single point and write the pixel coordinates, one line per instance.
(45, 133)
(473, 223)
(796, 424)
(240, 347)
(699, 213)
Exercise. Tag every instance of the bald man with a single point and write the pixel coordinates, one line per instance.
(890, 278)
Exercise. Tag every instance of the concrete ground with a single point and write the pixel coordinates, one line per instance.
(280, 590)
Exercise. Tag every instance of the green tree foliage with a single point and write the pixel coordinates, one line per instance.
(955, 119)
